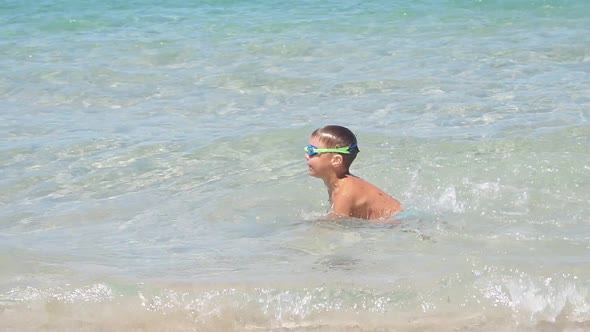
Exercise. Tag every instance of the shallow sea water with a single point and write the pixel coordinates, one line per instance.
(153, 175)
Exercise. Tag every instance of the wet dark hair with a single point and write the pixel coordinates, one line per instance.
(337, 137)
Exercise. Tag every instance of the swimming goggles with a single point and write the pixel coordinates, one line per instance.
(314, 150)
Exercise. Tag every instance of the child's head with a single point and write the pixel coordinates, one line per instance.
(333, 137)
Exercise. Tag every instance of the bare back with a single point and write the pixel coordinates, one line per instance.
(358, 198)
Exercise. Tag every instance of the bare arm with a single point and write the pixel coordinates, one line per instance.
(343, 204)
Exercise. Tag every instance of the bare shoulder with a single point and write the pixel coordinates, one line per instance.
(362, 186)
(374, 197)
(359, 198)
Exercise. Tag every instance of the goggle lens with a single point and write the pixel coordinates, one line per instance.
(310, 150)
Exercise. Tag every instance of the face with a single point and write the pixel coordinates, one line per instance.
(320, 164)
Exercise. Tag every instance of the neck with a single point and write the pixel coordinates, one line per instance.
(333, 181)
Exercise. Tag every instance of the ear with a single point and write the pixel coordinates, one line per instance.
(337, 160)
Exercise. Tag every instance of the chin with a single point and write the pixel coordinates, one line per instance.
(313, 173)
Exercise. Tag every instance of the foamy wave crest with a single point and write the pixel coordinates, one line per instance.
(226, 309)
(92, 293)
(444, 200)
(536, 299)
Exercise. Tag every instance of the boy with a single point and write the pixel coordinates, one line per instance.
(330, 152)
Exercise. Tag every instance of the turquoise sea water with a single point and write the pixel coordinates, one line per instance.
(153, 175)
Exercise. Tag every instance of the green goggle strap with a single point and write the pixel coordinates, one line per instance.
(344, 150)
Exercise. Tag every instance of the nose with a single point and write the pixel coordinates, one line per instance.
(306, 156)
